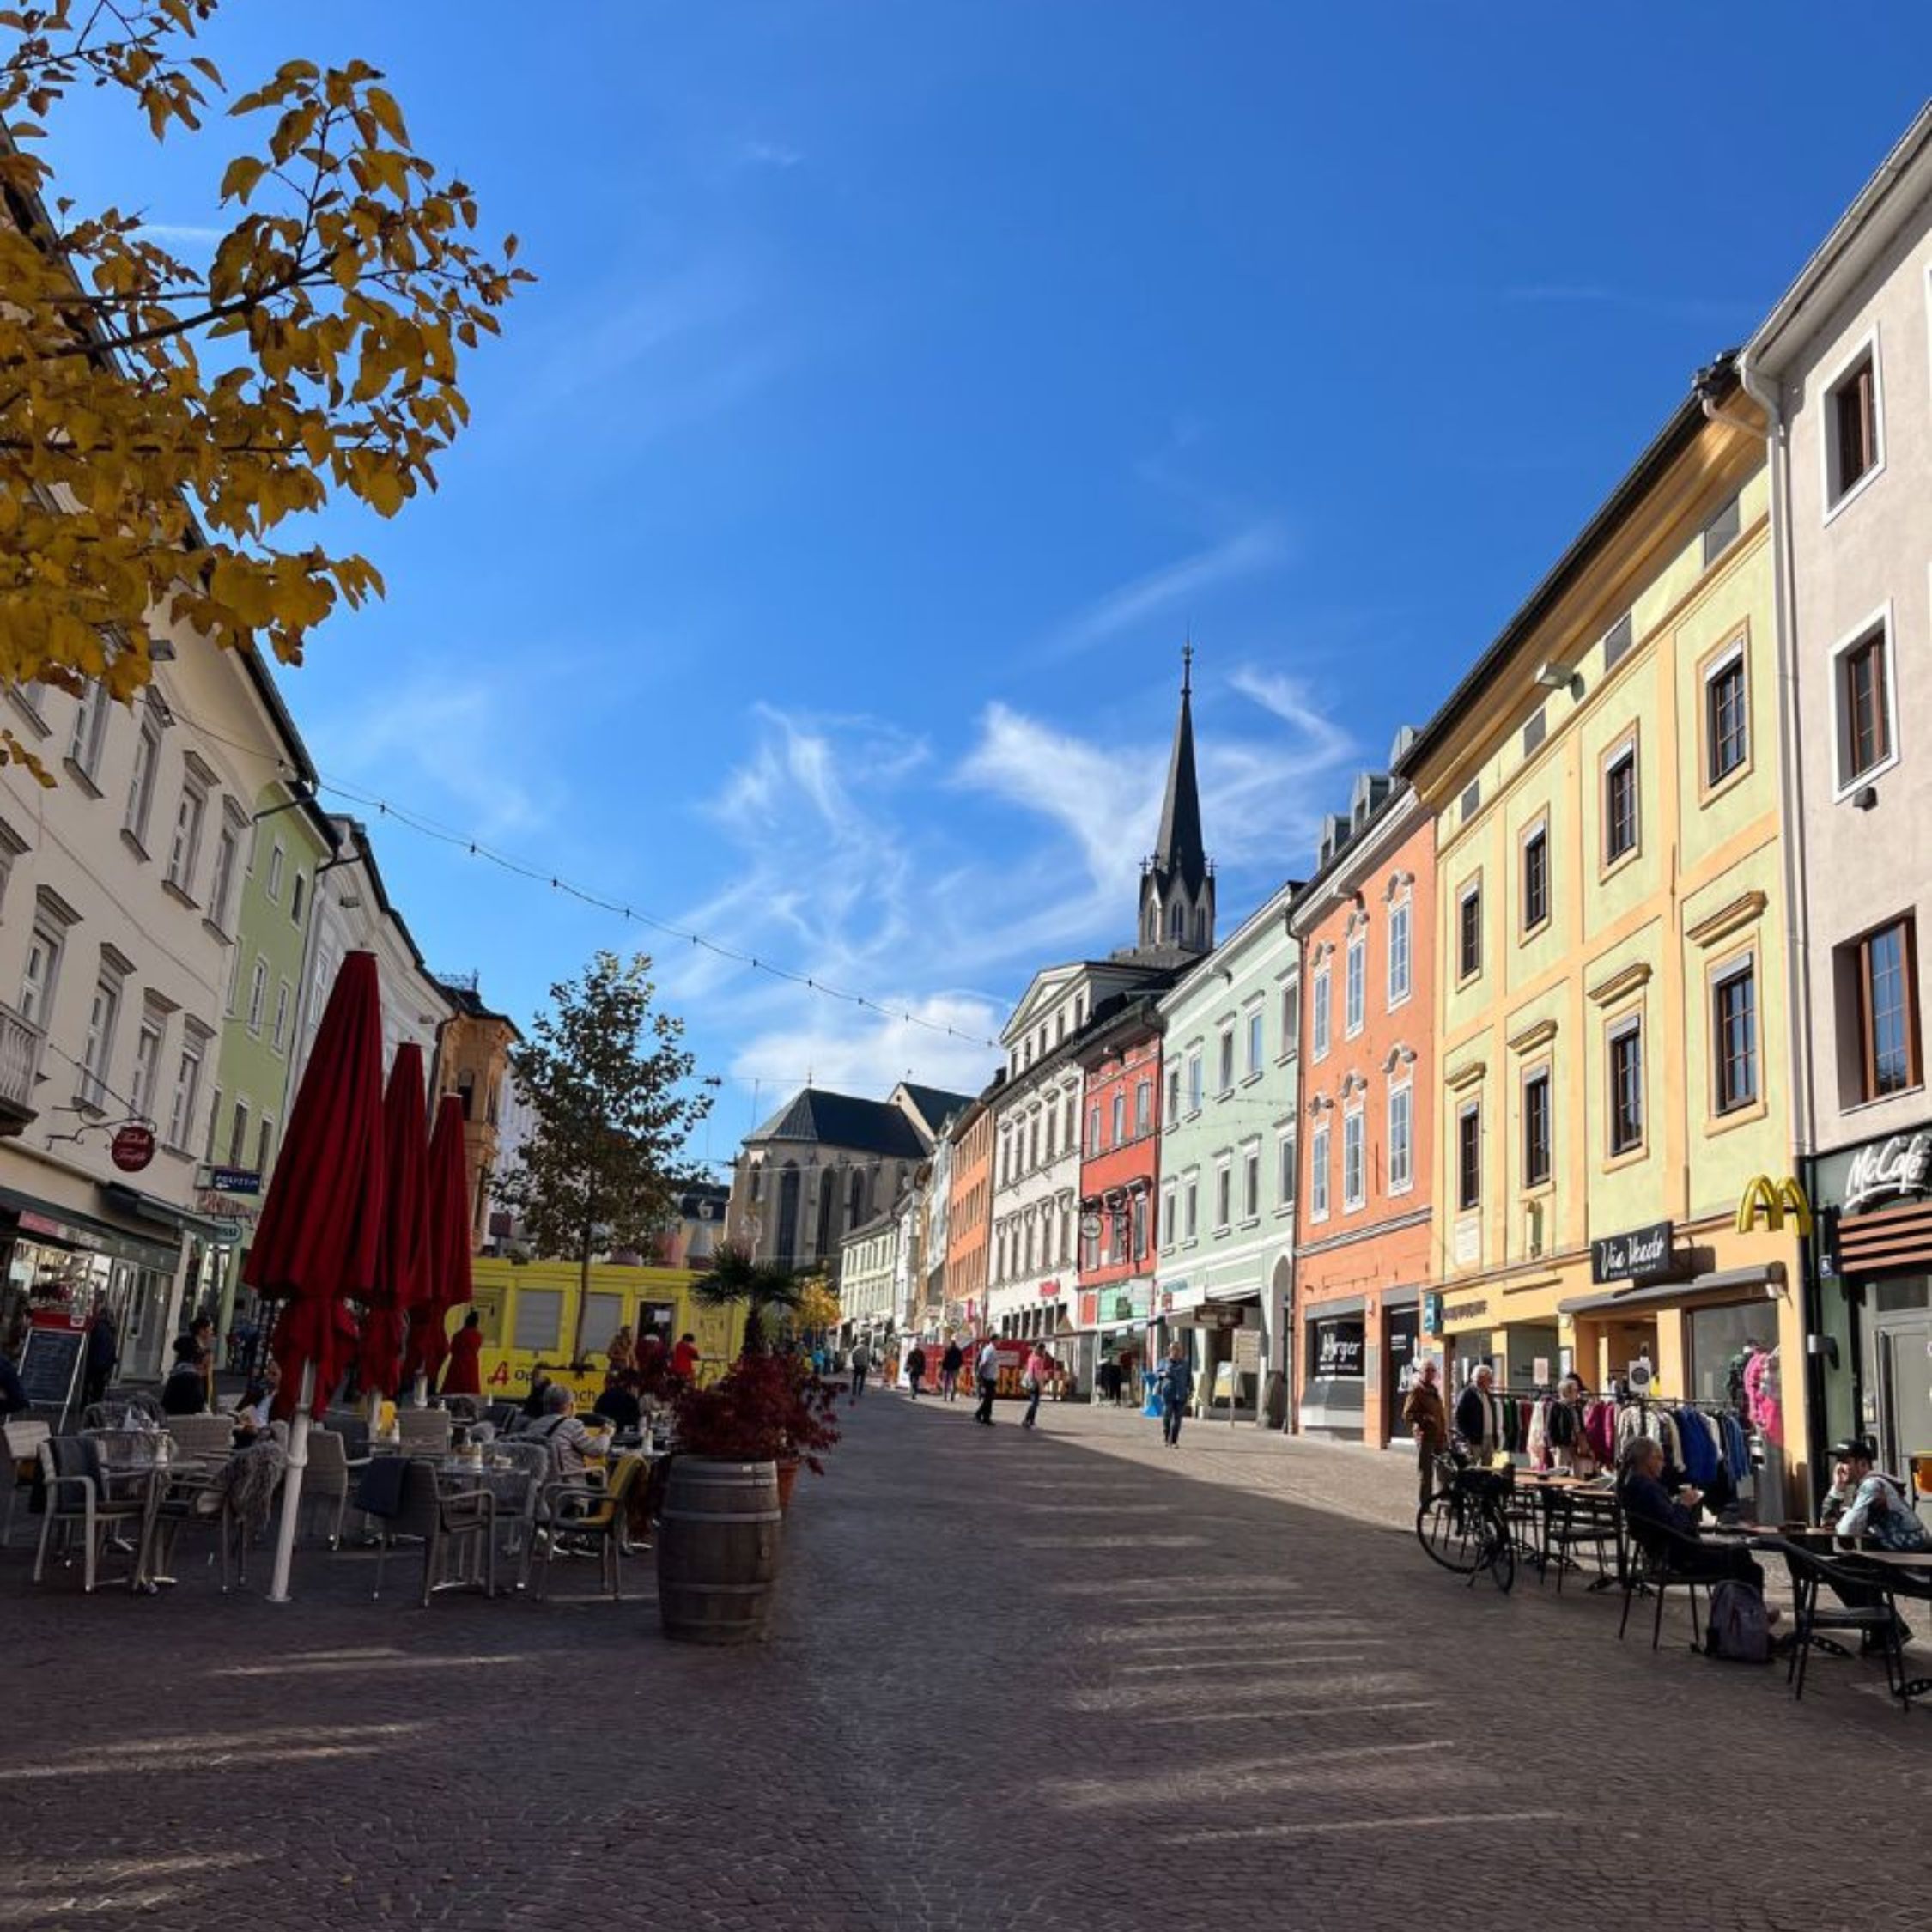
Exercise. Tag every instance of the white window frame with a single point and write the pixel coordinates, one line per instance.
(1290, 1019)
(187, 1092)
(284, 995)
(1251, 1183)
(1287, 1177)
(150, 1043)
(1401, 1143)
(227, 851)
(1355, 984)
(184, 850)
(1318, 1172)
(1224, 1194)
(257, 995)
(1322, 1023)
(1401, 927)
(1355, 1127)
(1118, 1123)
(1194, 1071)
(1842, 786)
(1190, 1197)
(142, 779)
(1710, 781)
(238, 1133)
(38, 1010)
(1225, 1070)
(1828, 441)
(1257, 1039)
(97, 1051)
(88, 740)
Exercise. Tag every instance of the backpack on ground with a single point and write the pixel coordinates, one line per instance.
(1738, 1630)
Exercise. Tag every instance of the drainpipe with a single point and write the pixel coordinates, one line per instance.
(1803, 1069)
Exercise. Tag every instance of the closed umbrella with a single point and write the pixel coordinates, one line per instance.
(401, 1258)
(318, 1237)
(446, 1221)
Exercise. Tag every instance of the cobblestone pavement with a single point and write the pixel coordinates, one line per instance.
(1053, 1679)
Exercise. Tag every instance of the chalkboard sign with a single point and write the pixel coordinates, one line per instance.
(49, 1362)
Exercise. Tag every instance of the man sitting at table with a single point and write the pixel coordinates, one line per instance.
(568, 1439)
(1862, 1501)
(256, 1407)
(1648, 1505)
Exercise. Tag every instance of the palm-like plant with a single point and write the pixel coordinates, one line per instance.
(737, 1276)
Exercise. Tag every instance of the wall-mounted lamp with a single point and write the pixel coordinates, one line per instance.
(1865, 797)
(1825, 1345)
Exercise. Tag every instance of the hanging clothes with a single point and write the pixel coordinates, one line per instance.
(1761, 1391)
(1697, 1455)
(1538, 1440)
(1599, 1426)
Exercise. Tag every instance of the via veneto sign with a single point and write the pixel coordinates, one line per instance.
(131, 1148)
(1628, 1257)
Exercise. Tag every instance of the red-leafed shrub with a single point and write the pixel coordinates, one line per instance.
(763, 1409)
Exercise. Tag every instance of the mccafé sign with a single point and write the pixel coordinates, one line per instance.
(1887, 1169)
(1772, 1203)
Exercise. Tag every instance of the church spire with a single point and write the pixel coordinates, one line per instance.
(1177, 883)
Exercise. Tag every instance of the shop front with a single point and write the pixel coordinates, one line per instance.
(1401, 1354)
(1870, 1348)
(1334, 1368)
(1114, 1321)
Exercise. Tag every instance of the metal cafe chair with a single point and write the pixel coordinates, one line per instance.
(20, 1438)
(445, 1523)
(78, 1498)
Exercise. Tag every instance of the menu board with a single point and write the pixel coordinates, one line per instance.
(49, 1362)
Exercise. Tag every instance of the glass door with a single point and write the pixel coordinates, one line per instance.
(1904, 1394)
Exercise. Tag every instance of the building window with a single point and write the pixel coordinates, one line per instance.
(1290, 1021)
(1536, 880)
(1227, 1061)
(186, 852)
(1469, 931)
(1318, 1174)
(187, 1091)
(1173, 1094)
(1535, 729)
(1093, 1130)
(1887, 994)
(1401, 1140)
(214, 1128)
(226, 851)
(1140, 1227)
(1254, 1046)
(1322, 1013)
(1069, 1114)
(1472, 799)
(98, 1053)
(238, 1135)
(1853, 428)
(1120, 1116)
(1616, 642)
(1536, 1128)
(1251, 1184)
(257, 996)
(1089, 1249)
(1721, 533)
(1733, 1020)
(1620, 803)
(1284, 1182)
(1223, 1197)
(90, 731)
(1191, 1208)
(1193, 1081)
(40, 977)
(147, 1063)
(281, 1035)
(1469, 1157)
(1626, 1087)
(1143, 1106)
(1399, 953)
(1864, 706)
(298, 898)
(1033, 1143)
(1352, 1182)
(141, 783)
(1726, 723)
(1354, 985)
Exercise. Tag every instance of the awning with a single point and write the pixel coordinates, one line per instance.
(1234, 1294)
(1767, 1282)
(46, 1219)
(162, 1213)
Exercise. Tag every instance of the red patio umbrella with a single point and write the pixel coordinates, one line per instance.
(446, 1217)
(402, 1261)
(317, 1237)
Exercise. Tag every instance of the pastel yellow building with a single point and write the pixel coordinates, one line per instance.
(1613, 1032)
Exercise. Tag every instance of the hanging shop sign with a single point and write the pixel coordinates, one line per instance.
(1774, 1202)
(1889, 1171)
(1431, 1314)
(1049, 1290)
(1628, 1256)
(234, 1181)
(131, 1148)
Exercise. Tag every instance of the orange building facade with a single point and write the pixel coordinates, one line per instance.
(969, 1218)
(1366, 1238)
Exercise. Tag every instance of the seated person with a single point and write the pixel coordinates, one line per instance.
(619, 1404)
(1648, 1503)
(534, 1403)
(568, 1439)
(253, 1412)
(185, 1390)
(1862, 1503)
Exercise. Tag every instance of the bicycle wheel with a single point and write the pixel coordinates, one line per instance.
(1451, 1533)
(1500, 1551)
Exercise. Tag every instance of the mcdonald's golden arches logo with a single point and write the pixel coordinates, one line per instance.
(1776, 1201)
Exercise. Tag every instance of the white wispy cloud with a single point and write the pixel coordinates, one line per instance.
(1258, 546)
(182, 233)
(770, 154)
(852, 868)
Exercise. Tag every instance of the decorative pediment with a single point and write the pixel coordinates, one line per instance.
(1399, 883)
(1399, 1056)
(1537, 1033)
(1469, 1074)
(1354, 1082)
(1323, 952)
(1358, 921)
(1320, 1104)
(1744, 910)
(1625, 980)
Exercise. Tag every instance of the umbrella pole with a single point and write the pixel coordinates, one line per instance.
(292, 1488)
(422, 1392)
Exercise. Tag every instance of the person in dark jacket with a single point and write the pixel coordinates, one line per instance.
(185, 1390)
(12, 1390)
(104, 1350)
(1177, 1389)
(1428, 1423)
(1647, 1506)
(1479, 1413)
(915, 1368)
(950, 1363)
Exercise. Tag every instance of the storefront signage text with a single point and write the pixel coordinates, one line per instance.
(1887, 1169)
(234, 1181)
(133, 1148)
(1625, 1257)
(1431, 1314)
(1049, 1290)
(1466, 1311)
(1338, 1349)
(1775, 1202)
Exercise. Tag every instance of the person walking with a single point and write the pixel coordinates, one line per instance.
(104, 1350)
(915, 1368)
(1428, 1422)
(1177, 1389)
(989, 1382)
(861, 1366)
(950, 1363)
(1033, 1379)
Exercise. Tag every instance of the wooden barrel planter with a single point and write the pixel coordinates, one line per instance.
(718, 1544)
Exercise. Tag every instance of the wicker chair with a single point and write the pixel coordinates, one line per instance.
(602, 1520)
(330, 1476)
(444, 1523)
(202, 1438)
(78, 1498)
(423, 1432)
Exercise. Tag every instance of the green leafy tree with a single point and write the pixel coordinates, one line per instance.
(164, 420)
(606, 1081)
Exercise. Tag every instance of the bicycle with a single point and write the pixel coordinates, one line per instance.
(1465, 1525)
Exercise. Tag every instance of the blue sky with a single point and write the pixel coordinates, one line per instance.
(904, 379)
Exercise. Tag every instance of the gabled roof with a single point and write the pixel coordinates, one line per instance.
(935, 1105)
(817, 1117)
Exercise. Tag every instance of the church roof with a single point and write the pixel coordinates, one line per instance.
(818, 1116)
(934, 1104)
(1179, 850)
